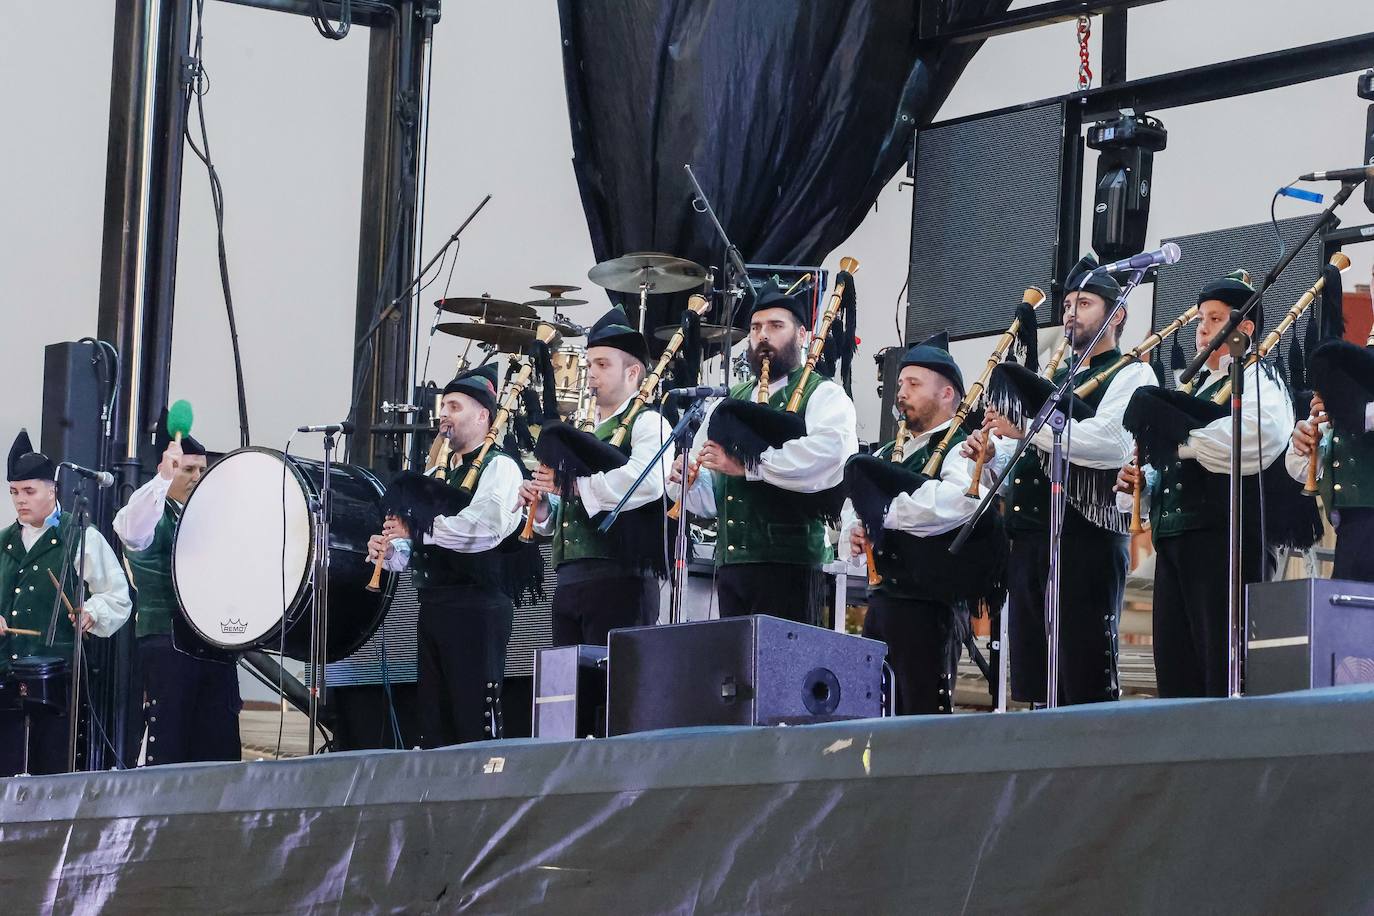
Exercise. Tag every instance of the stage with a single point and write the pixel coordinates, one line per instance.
(1256, 805)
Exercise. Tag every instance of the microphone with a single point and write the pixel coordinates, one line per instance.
(102, 479)
(328, 429)
(1167, 253)
(1356, 174)
(697, 393)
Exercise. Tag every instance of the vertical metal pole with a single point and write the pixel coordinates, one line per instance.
(1057, 495)
(1114, 47)
(1237, 344)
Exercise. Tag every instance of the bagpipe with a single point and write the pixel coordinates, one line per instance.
(745, 429)
(1161, 420)
(1342, 374)
(977, 573)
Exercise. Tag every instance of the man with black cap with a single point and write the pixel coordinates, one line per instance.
(465, 616)
(42, 539)
(190, 704)
(1094, 542)
(1188, 504)
(769, 545)
(607, 580)
(924, 637)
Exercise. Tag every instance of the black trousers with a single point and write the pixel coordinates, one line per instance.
(47, 741)
(923, 643)
(1092, 585)
(1191, 630)
(786, 590)
(461, 642)
(587, 607)
(190, 706)
(1354, 545)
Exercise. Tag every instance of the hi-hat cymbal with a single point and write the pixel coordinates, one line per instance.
(658, 272)
(555, 290)
(710, 333)
(485, 307)
(509, 338)
(554, 302)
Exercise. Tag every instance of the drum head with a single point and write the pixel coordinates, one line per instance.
(243, 548)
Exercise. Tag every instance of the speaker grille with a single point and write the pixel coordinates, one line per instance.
(964, 208)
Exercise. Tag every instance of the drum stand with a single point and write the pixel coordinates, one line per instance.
(319, 602)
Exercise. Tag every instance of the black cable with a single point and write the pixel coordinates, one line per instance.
(322, 25)
(197, 86)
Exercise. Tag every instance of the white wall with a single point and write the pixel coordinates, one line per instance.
(285, 114)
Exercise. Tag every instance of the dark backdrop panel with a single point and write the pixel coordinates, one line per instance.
(985, 220)
(1208, 256)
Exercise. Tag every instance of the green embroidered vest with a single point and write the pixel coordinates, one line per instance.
(433, 566)
(1184, 495)
(1347, 480)
(27, 594)
(150, 573)
(575, 536)
(898, 579)
(1028, 500)
(757, 522)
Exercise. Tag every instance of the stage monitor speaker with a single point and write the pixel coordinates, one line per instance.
(740, 671)
(1209, 256)
(570, 692)
(1309, 633)
(73, 396)
(889, 360)
(988, 197)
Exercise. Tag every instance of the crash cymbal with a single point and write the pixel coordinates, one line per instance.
(661, 273)
(486, 307)
(554, 302)
(710, 333)
(510, 338)
(556, 290)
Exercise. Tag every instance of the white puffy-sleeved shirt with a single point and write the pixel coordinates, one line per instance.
(109, 604)
(490, 518)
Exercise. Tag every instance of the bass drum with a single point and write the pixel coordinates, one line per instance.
(245, 548)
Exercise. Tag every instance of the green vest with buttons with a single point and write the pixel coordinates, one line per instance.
(1028, 502)
(760, 523)
(575, 536)
(1347, 480)
(150, 573)
(433, 566)
(27, 594)
(898, 579)
(1183, 496)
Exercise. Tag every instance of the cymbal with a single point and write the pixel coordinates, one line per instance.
(661, 273)
(510, 338)
(554, 302)
(556, 290)
(485, 307)
(710, 333)
(564, 327)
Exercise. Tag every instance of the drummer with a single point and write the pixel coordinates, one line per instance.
(190, 705)
(40, 542)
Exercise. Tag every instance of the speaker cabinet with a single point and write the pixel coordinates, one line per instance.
(740, 671)
(1309, 633)
(570, 692)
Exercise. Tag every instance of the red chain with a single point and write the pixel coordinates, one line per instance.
(1085, 70)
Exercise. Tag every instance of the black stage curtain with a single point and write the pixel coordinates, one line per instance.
(793, 116)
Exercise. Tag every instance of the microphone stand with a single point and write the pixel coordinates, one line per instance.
(1053, 414)
(681, 436)
(80, 513)
(1328, 216)
(1237, 343)
(736, 269)
(321, 508)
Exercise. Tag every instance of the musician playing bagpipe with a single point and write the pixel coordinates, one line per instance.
(1094, 543)
(772, 502)
(924, 630)
(450, 537)
(1340, 430)
(605, 580)
(41, 546)
(1185, 464)
(191, 705)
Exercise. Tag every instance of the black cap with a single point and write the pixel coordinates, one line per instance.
(478, 384)
(1234, 289)
(772, 297)
(189, 445)
(933, 354)
(613, 330)
(26, 464)
(1103, 285)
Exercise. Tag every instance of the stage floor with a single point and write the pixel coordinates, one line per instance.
(1254, 805)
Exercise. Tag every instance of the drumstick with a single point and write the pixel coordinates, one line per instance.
(19, 632)
(58, 585)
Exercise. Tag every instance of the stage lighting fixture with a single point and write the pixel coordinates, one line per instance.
(1121, 205)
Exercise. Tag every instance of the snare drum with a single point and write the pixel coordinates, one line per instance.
(240, 580)
(40, 681)
(569, 376)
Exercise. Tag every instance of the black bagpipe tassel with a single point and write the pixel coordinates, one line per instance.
(1027, 337)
